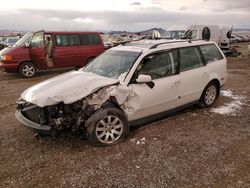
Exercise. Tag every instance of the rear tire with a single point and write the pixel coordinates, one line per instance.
(107, 126)
(209, 95)
(27, 70)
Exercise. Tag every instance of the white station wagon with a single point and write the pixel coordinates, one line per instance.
(128, 85)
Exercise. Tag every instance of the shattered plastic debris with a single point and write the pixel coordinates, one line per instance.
(232, 107)
(141, 141)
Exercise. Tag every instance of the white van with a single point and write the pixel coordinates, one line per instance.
(126, 86)
(219, 34)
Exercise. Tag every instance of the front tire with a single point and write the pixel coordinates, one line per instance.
(107, 126)
(27, 70)
(209, 95)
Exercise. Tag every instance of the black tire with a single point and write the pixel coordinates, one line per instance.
(209, 95)
(107, 126)
(42, 133)
(27, 70)
(53, 133)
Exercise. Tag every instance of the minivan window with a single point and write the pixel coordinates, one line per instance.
(159, 65)
(37, 40)
(190, 58)
(90, 39)
(211, 53)
(68, 40)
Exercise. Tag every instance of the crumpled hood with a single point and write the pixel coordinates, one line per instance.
(68, 88)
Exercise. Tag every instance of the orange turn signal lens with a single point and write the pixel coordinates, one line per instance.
(7, 57)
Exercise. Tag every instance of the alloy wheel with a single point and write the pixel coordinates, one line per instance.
(210, 94)
(109, 129)
(28, 70)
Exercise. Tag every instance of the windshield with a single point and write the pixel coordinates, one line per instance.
(112, 63)
(173, 34)
(25, 39)
(12, 40)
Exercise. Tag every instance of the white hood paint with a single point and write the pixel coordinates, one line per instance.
(67, 88)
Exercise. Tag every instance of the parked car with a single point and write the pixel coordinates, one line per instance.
(243, 38)
(236, 38)
(48, 50)
(10, 41)
(2, 42)
(175, 34)
(126, 86)
(2, 39)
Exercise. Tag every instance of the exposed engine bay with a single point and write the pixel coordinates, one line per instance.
(62, 116)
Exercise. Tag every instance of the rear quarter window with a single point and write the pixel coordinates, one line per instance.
(211, 53)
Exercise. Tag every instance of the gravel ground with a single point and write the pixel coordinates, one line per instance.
(193, 148)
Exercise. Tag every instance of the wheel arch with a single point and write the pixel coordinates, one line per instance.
(217, 83)
(25, 61)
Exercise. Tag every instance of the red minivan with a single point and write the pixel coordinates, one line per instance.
(49, 50)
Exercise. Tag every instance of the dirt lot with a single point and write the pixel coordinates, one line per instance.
(194, 148)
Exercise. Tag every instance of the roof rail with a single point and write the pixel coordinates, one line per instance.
(169, 42)
(125, 42)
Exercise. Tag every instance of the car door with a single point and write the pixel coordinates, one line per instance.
(37, 50)
(194, 75)
(161, 95)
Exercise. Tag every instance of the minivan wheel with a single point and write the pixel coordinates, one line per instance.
(27, 70)
(107, 126)
(209, 95)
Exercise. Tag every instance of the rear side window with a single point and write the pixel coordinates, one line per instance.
(159, 65)
(211, 53)
(90, 39)
(190, 58)
(68, 40)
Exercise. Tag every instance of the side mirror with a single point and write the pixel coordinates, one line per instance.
(142, 78)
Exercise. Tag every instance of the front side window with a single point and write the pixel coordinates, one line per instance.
(159, 65)
(112, 63)
(68, 40)
(211, 53)
(37, 40)
(190, 58)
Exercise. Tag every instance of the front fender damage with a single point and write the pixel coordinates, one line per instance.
(78, 115)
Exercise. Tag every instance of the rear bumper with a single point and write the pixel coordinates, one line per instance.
(29, 123)
(8, 67)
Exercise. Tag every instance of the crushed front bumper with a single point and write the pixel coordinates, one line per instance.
(29, 123)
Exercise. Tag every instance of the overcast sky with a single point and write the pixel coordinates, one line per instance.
(128, 15)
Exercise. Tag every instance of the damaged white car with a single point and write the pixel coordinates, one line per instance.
(128, 85)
